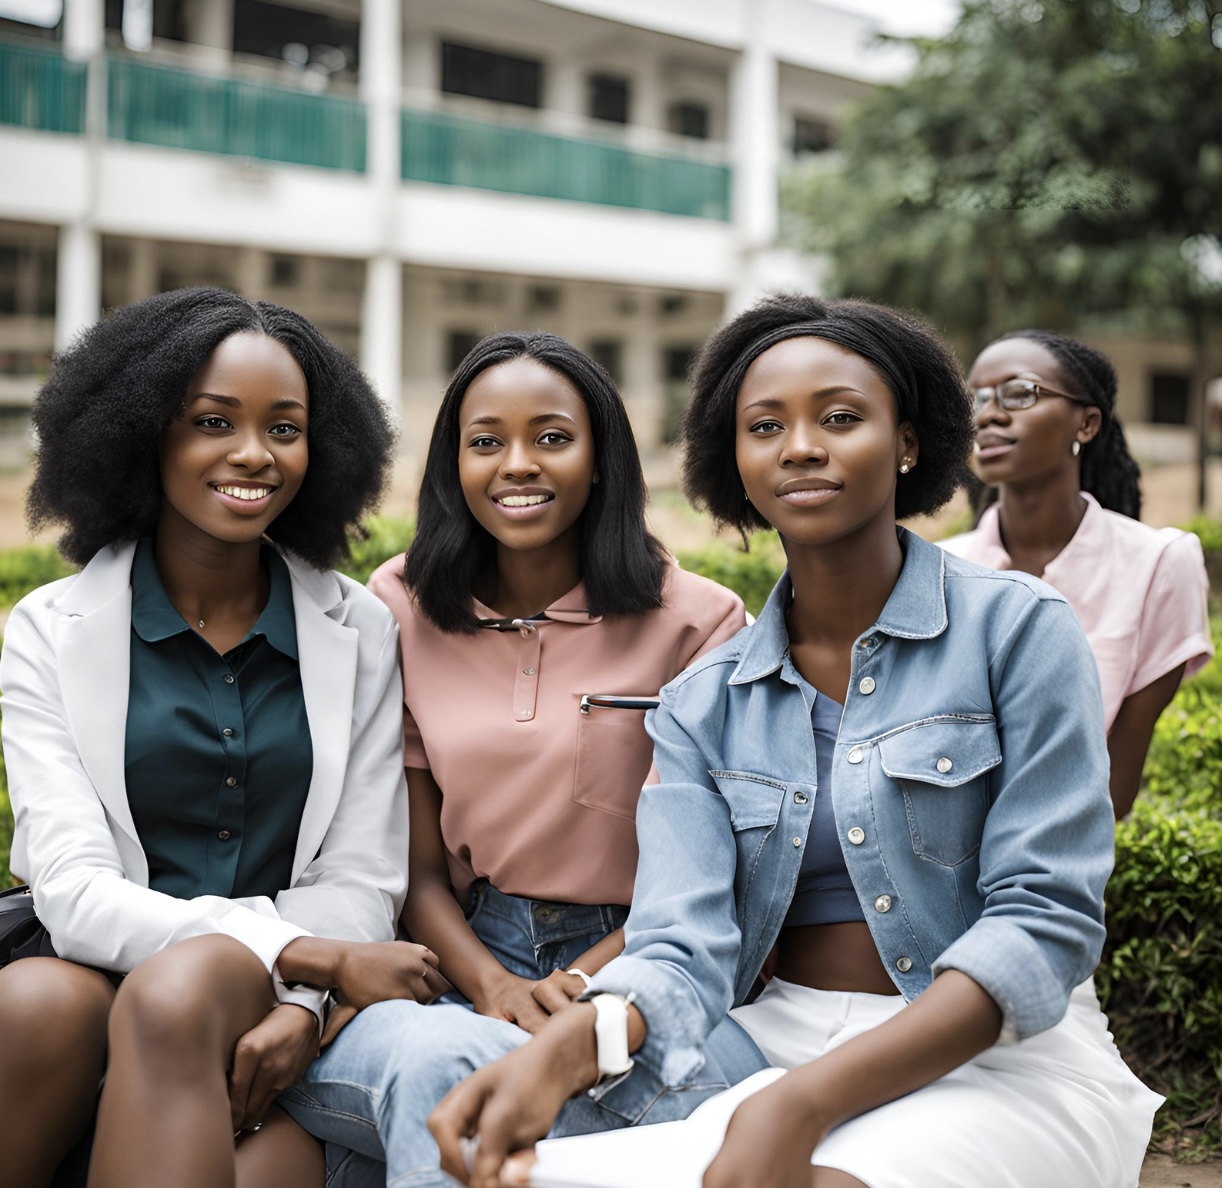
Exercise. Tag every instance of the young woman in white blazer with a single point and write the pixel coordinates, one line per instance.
(203, 737)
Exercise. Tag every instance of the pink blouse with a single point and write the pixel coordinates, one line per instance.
(538, 790)
(1139, 592)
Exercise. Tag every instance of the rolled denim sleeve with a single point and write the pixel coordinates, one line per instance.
(1047, 847)
(682, 937)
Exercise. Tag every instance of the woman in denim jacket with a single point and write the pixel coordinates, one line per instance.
(933, 914)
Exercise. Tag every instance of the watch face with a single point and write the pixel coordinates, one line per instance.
(611, 1034)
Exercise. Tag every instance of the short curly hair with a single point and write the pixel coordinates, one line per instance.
(912, 360)
(101, 416)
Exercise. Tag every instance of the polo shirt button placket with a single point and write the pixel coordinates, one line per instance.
(526, 682)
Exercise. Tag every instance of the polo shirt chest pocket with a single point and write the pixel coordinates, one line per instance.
(939, 766)
(614, 753)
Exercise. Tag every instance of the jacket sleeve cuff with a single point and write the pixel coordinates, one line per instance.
(312, 1000)
(672, 1047)
(264, 935)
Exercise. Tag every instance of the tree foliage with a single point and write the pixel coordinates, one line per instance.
(1049, 162)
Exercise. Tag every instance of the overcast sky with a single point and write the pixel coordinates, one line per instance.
(921, 17)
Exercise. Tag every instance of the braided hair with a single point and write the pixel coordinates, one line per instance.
(1109, 472)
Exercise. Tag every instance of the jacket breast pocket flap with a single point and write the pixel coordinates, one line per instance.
(945, 752)
(754, 800)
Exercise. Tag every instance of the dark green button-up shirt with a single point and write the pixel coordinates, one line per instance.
(218, 756)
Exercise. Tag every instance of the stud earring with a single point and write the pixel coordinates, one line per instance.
(1076, 448)
(904, 467)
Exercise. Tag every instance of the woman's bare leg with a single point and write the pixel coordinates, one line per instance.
(164, 1116)
(830, 1177)
(280, 1155)
(53, 1020)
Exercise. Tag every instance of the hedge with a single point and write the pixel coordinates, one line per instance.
(1160, 979)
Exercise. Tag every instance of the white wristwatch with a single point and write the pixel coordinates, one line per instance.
(611, 1034)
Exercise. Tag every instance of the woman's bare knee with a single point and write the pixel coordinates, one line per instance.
(192, 999)
(831, 1177)
(59, 1010)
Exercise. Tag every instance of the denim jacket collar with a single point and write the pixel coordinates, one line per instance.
(910, 613)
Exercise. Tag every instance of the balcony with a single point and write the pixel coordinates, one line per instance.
(149, 104)
(40, 88)
(452, 151)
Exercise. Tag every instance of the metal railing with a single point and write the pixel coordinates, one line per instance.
(150, 104)
(40, 88)
(449, 150)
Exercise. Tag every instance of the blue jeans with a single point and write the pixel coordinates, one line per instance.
(369, 1094)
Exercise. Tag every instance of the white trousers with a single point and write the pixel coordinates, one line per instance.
(1058, 1110)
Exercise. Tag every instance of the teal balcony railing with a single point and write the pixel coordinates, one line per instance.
(459, 152)
(40, 88)
(151, 104)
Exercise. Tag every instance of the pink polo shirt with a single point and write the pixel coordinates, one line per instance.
(538, 796)
(1139, 593)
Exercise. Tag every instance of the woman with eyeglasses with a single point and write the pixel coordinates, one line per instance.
(1062, 501)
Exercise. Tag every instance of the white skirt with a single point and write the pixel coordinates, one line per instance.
(1058, 1110)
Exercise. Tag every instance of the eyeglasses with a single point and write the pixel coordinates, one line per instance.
(1017, 393)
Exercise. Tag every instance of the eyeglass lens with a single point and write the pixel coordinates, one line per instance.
(1012, 395)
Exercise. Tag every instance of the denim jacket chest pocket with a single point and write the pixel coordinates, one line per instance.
(755, 809)
(939, 766)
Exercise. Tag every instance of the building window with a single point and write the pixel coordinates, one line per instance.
(812, 135)
(485, 74)
(312, 41)
(286, 272)
(688, 119)
(676, 362)
(609, 98)
(609, 354)
(542, 299)
(1169, 392)
(459, 345)
(27, 280)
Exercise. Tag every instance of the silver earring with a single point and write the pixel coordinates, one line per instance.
(1076, 448)
(904, 468)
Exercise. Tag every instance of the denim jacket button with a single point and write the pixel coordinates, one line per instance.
(944, 765)
(904, 964)
(797, 841)
(882, 903)
(855, 755)
(799, 798)
(857, 835)
(868, 642)
(867, 685)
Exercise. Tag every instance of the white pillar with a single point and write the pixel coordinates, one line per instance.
(78, 282)
(252, 273)
(755, 152)
(382, 90)
(84, 28)
(142, 280)
(382, 329)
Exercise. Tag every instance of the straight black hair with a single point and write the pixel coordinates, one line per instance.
(622, 564)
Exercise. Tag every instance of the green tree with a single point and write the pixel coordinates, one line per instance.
(1048, 162)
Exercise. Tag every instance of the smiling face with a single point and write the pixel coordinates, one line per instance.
(526, 455)
(1027, 445)
(817, 442)
(234, 459)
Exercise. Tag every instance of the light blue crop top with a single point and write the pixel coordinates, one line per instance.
(825, 893)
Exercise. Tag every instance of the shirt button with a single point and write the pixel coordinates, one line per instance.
(524, 713)
(231, 782)
(799, 798)
(528, 672)
(228, 732)
(855, 755)
(857, 835)
(882, 903)
(229, 678)
(944, 765)
(867, 685)
(223, 835)
(797, 841)
(904, 964)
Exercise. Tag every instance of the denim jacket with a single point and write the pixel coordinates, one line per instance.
(970, 792)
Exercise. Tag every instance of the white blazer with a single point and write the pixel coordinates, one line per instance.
(64, 672)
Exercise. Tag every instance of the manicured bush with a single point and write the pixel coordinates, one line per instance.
(26, 568)
(384, 538)
(751, 574)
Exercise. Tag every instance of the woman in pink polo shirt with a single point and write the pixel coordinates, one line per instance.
(538, 619)
(1067, 500)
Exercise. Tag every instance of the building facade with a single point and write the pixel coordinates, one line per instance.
(413, 174)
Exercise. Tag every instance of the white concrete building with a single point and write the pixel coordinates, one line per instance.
(412, 174)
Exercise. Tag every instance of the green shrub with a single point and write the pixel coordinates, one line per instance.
(26, 568)
(1160, 980)
(750, 574)
(384, 538)
(1209, 530)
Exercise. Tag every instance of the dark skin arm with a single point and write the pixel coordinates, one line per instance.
(433, 916)
(1129, 739)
